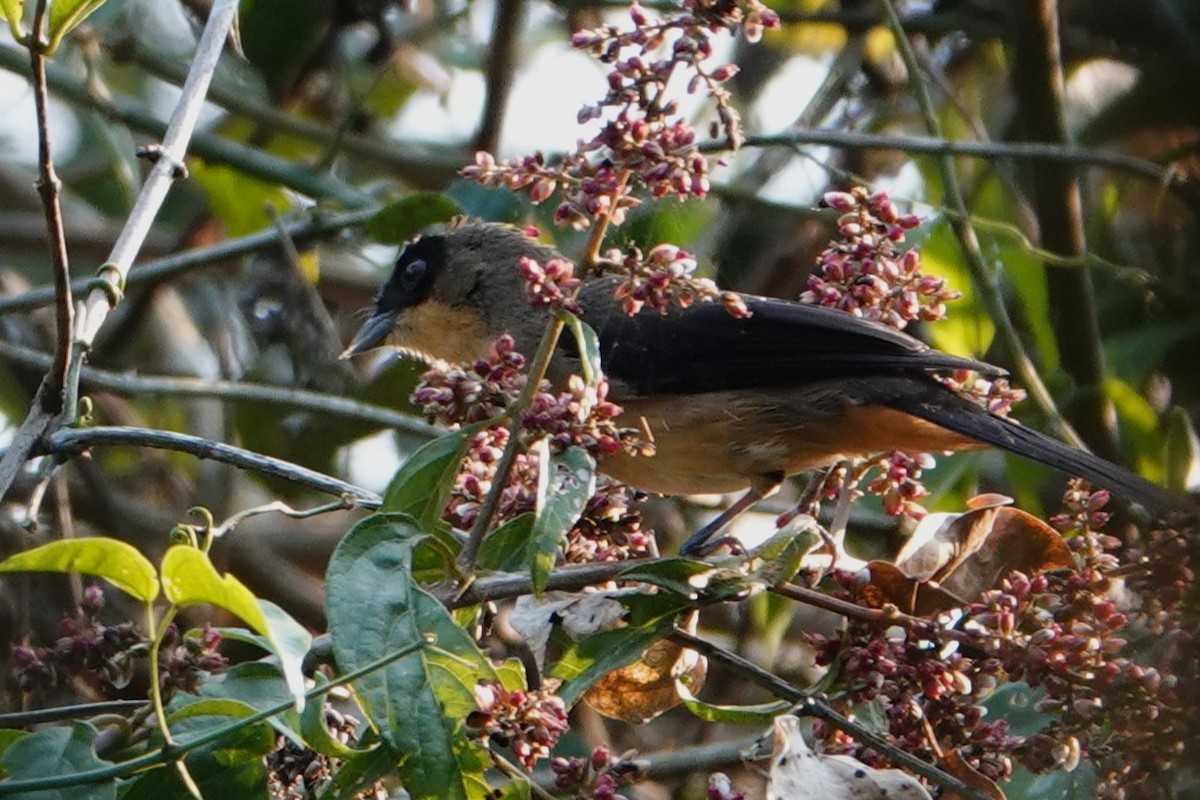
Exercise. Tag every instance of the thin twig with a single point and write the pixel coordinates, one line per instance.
(25, 719)
(100, 300)
(986, 281)
(414, 163)
(132, 385)
(505, 586)
(1018, 151)
(49, 188)
(69, 442)
(811, 705)
(320, 226)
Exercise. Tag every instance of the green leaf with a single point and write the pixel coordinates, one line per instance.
(589, 347)
(780, 556)
(673, 573)
(422, 485)
(360, 772)
(189, 578)
(506, 549)
(65, 16)
(214, 707)
(238, 200)
(587, 661)
(495, 205)
(419, 702)
(259, 685)
(512, 674)
(60, 751)
(967, 329)
(317, 736)
(400, 221)
(1140, 426)
(7, 737)
(761, 714)
(231, 767)
(255, 683)
(117, 562)
(14, 12)
(566, 480)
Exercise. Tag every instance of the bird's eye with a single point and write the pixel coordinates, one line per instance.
(412, 275)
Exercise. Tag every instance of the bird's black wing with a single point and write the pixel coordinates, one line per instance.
(703, 348)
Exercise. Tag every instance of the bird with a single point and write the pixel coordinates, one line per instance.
(731, 403)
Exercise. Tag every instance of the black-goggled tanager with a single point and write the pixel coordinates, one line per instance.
(732, 403)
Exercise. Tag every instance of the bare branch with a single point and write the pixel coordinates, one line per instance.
(69, 442)
(151, 272)
(152, 385)
(49, 188)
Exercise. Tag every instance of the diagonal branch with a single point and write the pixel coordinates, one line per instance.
(102, 297)
(320, 226)
(68, 442)
(811, 705)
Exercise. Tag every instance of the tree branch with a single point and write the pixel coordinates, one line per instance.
(320, 226)
(215, 149)
(1039, 152)
(69, 442)
(509, 15)
(49, 188)
(102, 298)
(1037, 84)
(150, 385)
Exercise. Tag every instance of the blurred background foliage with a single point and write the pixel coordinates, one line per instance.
(342, 105)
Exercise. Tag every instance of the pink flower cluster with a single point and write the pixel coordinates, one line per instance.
(997, 395)
(610, 528)
(899, 483)
(643, 141)
(456, 394)
(663, 277)
(550, 285)
(864, 271)
(106, 656)
(474, 481)
(581, 416)
(921, 691)
(597, 777)
(1083, 508)
(529, 722)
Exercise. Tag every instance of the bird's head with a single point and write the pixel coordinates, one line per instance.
(452, 292)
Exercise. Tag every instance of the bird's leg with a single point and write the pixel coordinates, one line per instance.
(698, 543)
(809, 502)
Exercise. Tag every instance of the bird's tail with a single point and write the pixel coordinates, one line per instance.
(963, 416)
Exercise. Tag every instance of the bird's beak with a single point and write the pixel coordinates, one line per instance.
(371, 334)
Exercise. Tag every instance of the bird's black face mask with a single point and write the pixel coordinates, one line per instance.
(409, 284)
